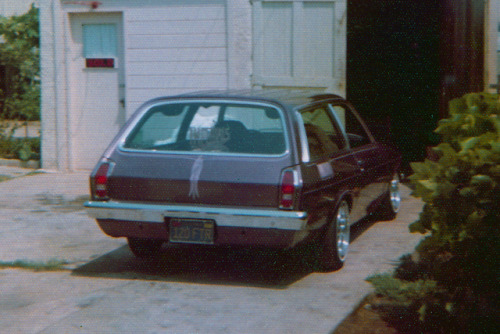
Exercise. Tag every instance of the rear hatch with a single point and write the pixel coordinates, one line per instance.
(191, 179)
(202, 152)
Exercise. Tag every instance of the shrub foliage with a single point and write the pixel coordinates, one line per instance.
(461, 220)
(19, 56)
(23, 149)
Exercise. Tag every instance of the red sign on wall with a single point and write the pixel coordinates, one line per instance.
(100, 62)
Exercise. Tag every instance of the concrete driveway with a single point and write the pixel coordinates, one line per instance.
(104, 289)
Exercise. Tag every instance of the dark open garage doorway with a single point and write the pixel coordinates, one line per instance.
(393, 70)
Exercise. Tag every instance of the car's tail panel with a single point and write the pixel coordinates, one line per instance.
(196, 179)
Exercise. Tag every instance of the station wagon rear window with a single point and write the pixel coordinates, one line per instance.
(210, 127)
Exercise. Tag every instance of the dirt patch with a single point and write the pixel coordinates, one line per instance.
(60, 203)
(5, 178)
(365, 320)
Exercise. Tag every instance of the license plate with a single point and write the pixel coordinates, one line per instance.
(191, 231)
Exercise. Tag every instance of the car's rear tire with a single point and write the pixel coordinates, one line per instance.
(145, 248)
(335, 244)
(391, 202)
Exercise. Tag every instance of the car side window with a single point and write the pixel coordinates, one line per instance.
(354, 130)
(255, 119)
(159, 127)
(323, 136)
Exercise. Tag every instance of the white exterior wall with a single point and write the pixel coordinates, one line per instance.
(491, 42)
(174, 49)
(170, 47)
(15, 7)
(239, 42)
(53, 97)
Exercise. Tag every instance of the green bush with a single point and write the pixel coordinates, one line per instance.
(20, 56)
(19, 148)
(461, 192)
(405, 293)
(461, 217)
(419, 306)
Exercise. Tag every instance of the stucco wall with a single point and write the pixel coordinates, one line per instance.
(53, 111)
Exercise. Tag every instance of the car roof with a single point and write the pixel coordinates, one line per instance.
(290, 97)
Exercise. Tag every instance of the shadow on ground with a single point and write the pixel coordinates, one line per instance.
(209, 265)
(265, 268)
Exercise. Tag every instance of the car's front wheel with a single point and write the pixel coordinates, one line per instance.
(145, 248)
(333, 250)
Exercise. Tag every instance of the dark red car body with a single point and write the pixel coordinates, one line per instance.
(259, 168)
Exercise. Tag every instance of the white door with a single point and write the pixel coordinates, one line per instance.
(96, 85)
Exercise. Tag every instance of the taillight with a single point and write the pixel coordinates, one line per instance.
(288, 189)
(100, 181)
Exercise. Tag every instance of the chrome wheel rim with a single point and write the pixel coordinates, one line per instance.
(343, 230)
(395, 195)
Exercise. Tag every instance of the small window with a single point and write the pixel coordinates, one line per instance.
(352, 126)
(323, 136)
(99, 40)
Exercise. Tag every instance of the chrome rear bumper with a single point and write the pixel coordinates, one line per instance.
(223, 216)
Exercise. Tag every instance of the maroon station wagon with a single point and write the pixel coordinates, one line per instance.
(271, 168)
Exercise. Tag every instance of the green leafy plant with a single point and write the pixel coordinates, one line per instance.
(461, 192)
(404, 292)
(19, 55)
(418, 306)
(51, 265)
(19, 148)
(461, 219)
